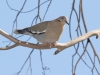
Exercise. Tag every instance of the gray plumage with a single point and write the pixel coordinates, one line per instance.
(48, 31)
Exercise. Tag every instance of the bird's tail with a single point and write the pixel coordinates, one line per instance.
(19, 31)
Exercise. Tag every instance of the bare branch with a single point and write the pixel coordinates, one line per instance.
(9, 47)
(79, 39)
(60, 46)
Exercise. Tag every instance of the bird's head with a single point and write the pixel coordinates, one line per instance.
(63, 20)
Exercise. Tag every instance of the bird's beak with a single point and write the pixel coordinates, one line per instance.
(67, 22)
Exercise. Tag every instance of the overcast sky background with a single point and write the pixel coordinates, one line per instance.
(61, 64)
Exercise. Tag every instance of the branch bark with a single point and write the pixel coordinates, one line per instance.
(59, 46)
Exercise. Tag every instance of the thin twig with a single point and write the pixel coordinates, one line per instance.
(24, 63)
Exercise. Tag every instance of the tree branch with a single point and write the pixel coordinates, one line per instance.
(59, 46)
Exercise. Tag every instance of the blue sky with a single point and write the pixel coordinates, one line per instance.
(61, 64)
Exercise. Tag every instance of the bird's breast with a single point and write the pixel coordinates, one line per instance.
(53, 34)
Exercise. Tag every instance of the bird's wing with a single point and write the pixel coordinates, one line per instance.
(39, 28)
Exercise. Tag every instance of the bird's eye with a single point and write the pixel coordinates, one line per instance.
(62, 18)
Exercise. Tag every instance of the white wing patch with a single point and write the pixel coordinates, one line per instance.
(38, 32)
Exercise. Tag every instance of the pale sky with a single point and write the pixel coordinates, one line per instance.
(12, 60)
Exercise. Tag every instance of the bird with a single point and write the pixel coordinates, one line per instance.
(47, 32)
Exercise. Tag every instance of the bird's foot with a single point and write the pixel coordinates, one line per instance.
(50, 44)
(47, 43)
(54, 43)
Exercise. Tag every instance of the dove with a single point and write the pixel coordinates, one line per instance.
(47, 32)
